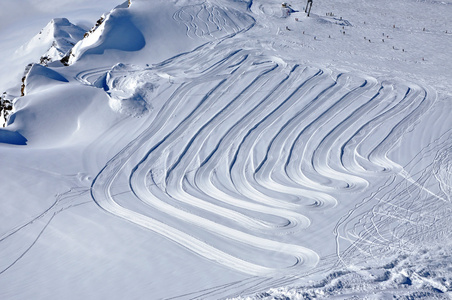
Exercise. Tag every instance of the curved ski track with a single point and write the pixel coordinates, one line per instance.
(206, 19)
(245, 147)
(240, 149)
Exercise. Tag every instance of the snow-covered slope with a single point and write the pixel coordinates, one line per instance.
(211, 149)
(158, 30)
(24, 19)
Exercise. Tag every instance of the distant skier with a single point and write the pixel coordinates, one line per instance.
(308, 7)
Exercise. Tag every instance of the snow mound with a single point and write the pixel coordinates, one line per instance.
(54, 41)
(40, 78)
(117, 32)
(131, 89)
(208, 20)
(60, 115)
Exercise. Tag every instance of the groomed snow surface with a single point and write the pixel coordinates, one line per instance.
(218, 149)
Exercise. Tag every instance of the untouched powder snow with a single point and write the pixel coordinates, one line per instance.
(232, 149)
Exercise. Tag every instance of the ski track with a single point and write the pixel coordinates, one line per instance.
(423, 206)
(247, 162)
(243, 147)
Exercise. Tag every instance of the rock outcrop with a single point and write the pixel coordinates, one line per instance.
(6, 107)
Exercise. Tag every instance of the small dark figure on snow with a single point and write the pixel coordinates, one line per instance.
(308, 7)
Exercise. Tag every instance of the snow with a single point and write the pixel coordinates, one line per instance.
(228, 149)
(24, 19)
(40, 78)
(57, 38)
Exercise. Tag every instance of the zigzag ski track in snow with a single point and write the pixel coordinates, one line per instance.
(246, 163)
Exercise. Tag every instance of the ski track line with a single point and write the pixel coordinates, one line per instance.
(233, 133)
(305, 143)
(249, 158)
(280, 157)
(141, 193)
(313, 137)
(242, 179)
(238, 181)
(85, 77)
(415, 102)
(179, 178)
(178, 191)
(40, 223)
(279, 147)
(206, 19)
(307, 257)
(405, 210)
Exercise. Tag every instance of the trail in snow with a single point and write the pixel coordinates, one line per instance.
(207, 19)
(15, 243)
(411, 209)
(243, 164)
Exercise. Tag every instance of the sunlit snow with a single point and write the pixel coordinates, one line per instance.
(188, 149)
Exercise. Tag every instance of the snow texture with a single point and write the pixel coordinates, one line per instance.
(231, 149)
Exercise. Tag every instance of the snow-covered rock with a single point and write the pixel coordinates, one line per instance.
(6, 107)
(53, 42)
(37, 78)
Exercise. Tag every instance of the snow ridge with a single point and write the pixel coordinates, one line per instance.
(54, 41)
